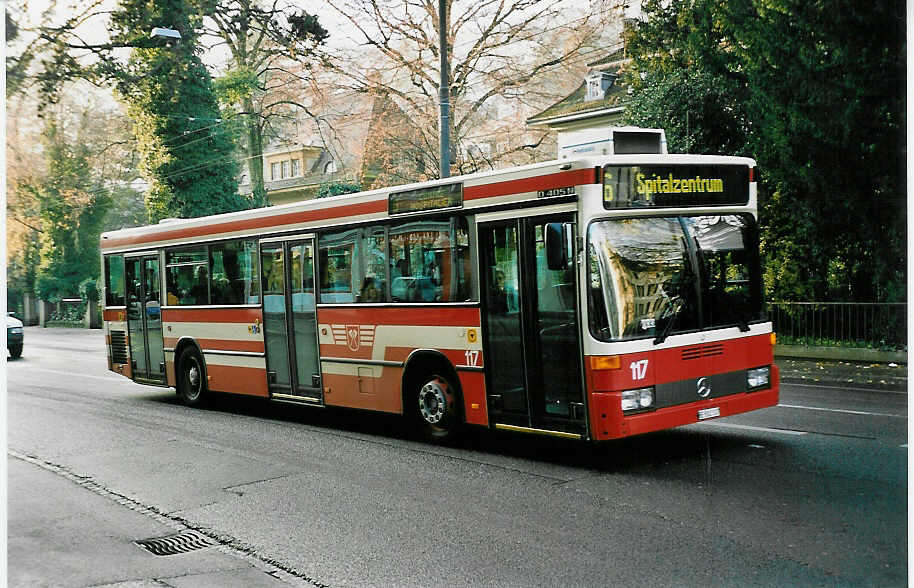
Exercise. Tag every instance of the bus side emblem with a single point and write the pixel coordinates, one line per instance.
(352, 337)
(355, 337)
(704, 387)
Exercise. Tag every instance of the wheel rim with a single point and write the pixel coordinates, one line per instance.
(434, 398)
(193, 379)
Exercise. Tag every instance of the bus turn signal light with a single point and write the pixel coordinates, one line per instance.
(774, 339)
(605, 362)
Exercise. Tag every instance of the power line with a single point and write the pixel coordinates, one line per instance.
(527, 38)
(215, 161)
(581, 57)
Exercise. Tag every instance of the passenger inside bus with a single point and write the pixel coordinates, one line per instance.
(498, 295)
(370, 291)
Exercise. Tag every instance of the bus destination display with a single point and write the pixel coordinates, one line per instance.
(422, 199)
(675, 185)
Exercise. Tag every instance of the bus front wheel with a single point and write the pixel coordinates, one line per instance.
(436, 408)
(191, 377)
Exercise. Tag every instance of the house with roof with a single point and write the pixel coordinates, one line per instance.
(598, 100)
(293, 172)
(588, 121)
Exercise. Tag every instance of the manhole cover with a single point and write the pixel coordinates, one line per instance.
(178, 543)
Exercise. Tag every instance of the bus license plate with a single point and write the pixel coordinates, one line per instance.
(708, 413)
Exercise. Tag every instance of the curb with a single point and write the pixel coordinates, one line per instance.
(839, 354)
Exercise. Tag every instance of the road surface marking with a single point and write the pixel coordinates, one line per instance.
(847, 388)
(845, 411)
(751, 428)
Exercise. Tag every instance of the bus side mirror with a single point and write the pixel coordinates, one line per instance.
(557, 245)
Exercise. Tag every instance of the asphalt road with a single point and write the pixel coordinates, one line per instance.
(812, 492)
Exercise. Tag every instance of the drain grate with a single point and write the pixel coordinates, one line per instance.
(178, 543)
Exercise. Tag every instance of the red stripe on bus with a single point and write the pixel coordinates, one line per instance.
(548, 182)
(174, 314)
(411, 316)
(381, 394)
(114, 315)
(220, 344)
(278, 220)
(238, 380)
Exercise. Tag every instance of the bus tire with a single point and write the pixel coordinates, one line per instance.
(436, 407)
(191, 377)
(16, 351)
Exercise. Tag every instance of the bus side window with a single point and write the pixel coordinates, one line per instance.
(430, 261)
(187, 276)
(337, 253)
(234, 273)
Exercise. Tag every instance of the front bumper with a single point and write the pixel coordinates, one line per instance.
(609, 423)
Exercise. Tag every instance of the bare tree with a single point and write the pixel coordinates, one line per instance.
(271, 45)
(506, 57)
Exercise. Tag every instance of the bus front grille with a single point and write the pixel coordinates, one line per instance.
(706, 350)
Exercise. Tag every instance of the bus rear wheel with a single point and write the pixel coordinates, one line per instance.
(436, 408)
(191, 380)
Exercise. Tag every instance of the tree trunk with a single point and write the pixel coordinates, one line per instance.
(255, 153)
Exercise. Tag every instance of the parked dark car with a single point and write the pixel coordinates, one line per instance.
(14, 336)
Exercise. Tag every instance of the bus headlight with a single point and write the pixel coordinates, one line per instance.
(640, 399)
(758, 378)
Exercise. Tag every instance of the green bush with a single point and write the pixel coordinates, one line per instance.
(89, 290)
(337, 188)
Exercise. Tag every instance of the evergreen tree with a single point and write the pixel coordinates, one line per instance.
(71, 215)
(187, 156)
(814, 92)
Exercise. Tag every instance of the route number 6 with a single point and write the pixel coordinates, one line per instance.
(639, 369)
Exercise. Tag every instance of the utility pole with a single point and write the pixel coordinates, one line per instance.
(444, 91)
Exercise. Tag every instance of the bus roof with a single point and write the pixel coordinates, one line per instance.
(480, 190)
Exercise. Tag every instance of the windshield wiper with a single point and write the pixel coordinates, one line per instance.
(743, 323)
(674, 315)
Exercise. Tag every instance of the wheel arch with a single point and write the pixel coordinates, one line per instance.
(182, 344)
(424, 361)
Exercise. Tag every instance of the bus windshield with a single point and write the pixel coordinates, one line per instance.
(658, 276)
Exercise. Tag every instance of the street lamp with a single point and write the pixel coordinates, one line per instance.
(163, 32)
(444, 92)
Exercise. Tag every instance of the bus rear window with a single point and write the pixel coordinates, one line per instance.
(114, 280)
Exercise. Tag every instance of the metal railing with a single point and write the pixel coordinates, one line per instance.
(874, 325)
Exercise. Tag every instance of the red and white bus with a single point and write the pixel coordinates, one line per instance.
(589, 298)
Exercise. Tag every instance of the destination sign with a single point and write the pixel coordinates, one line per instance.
(675, 185)
(422, 199)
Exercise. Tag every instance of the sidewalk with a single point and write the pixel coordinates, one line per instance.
(877, 376)
(64, 533)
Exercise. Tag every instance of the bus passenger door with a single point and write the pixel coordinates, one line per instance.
(531, 328)
(144, 318)
(290, 320)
